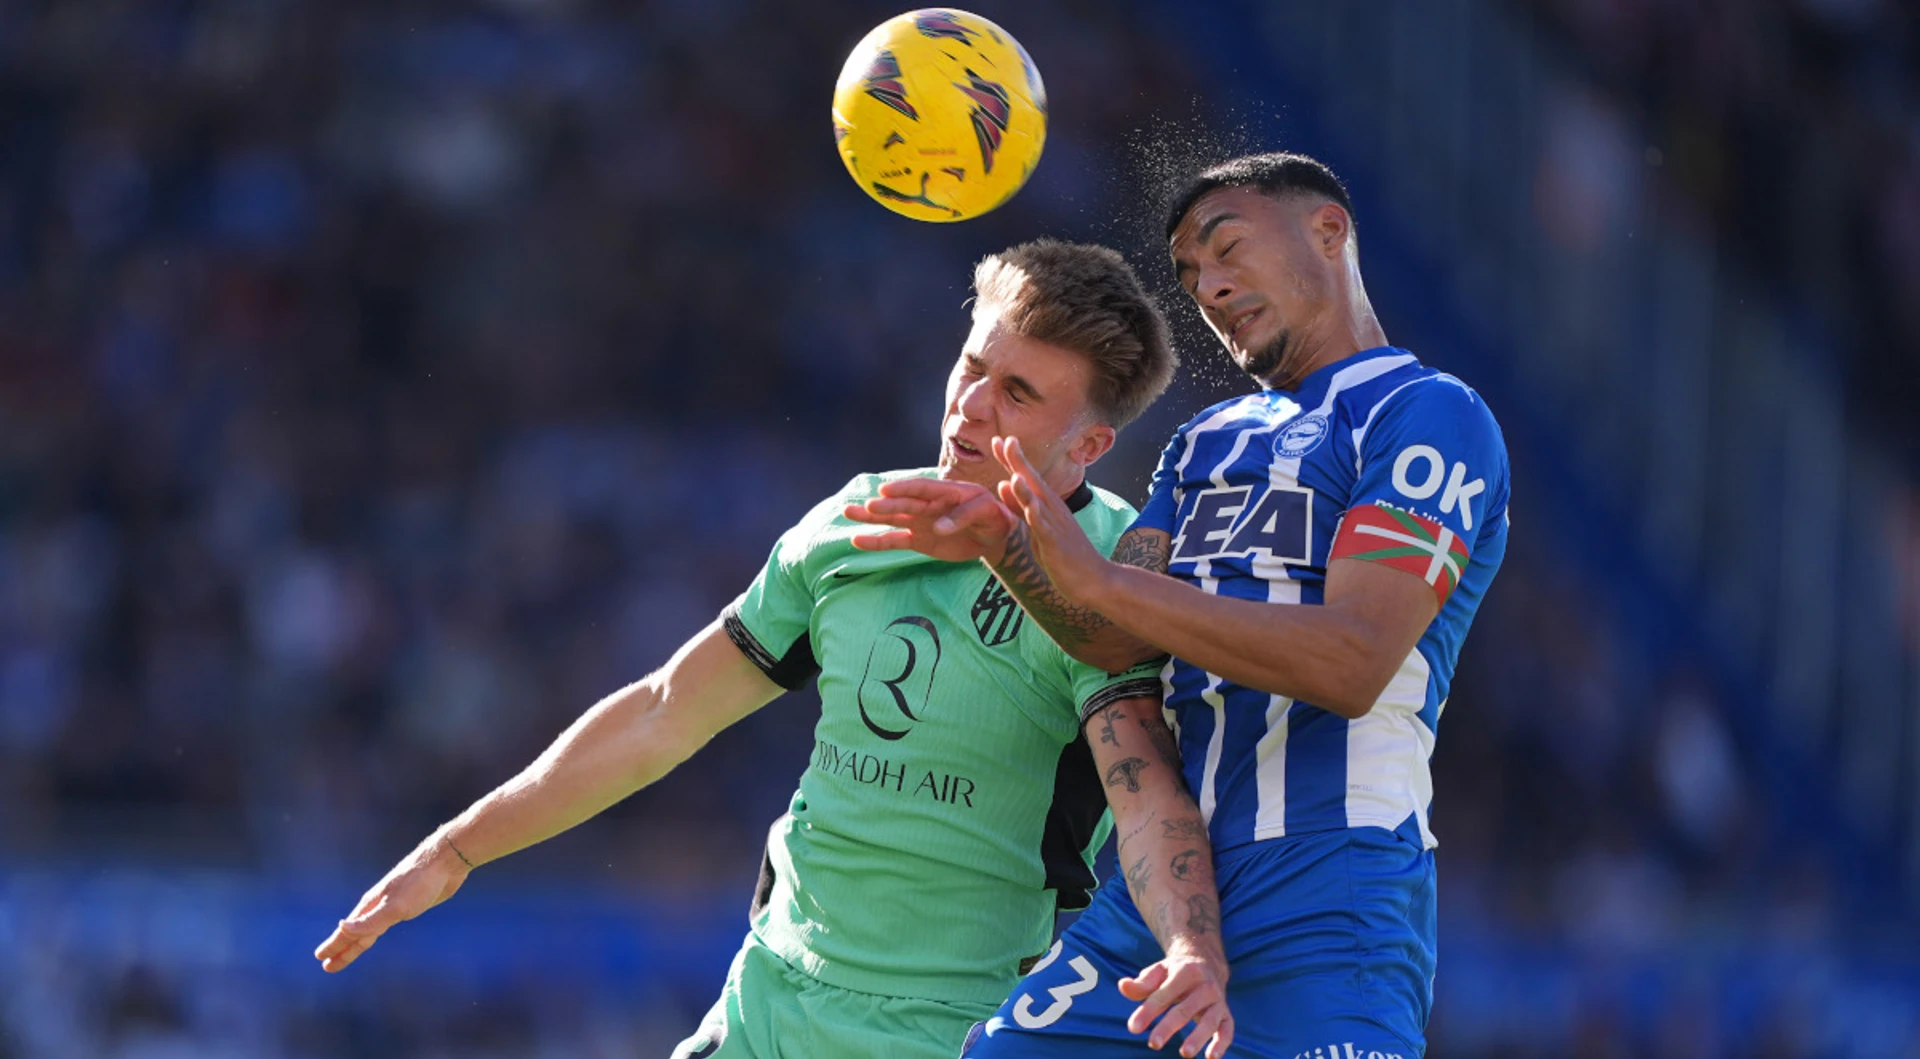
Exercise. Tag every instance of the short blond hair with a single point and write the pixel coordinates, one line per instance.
(1087, 299)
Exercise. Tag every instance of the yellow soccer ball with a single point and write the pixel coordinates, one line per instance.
(939, 115)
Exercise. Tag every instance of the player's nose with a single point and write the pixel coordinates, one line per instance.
(974, 399)
(1212, 290)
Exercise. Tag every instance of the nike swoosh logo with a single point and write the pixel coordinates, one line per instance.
(842, 575)
(995, 1025)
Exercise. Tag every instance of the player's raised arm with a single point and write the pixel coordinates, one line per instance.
(961, 521)
(1168, 864)
(626, 741)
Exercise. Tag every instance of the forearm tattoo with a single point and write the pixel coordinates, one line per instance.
(1183, 863)
(1138, 875)
(1186, 827)
(1203, 914)
(1163, 743)
(1148, 551)
(1127, 772)
(1070, 624)
(1107, 718)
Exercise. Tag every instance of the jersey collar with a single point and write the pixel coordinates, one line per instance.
(1080, 497)
(1316, 381)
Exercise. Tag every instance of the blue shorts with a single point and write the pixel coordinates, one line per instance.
(1330, 939)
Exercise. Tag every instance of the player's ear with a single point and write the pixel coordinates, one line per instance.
(1333, 228)
(1095, 441)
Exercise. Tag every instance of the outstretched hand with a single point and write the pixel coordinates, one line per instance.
(1182, 989)
(419, 882)
(1058, 543)
(944, 519)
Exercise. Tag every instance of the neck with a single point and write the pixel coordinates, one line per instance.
(1348, 330)
(1064, 479)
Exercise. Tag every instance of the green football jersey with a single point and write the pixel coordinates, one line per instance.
(950, 804)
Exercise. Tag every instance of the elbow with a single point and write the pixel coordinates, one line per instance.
(1358, 682)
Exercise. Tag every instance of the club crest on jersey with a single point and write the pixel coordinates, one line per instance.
(1301, 436)
(884, 84)
(996, 614)
(944, 25)
(1216, 524)
(992, 109)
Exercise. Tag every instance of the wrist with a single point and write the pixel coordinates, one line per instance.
(1203, 947)
(1096, 592)
(450, 853)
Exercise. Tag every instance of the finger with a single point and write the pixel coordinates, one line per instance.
(1222, 1039)
(1178, 1016)
(1156, 1003)
(890, 541)
(1011, 499)
(348, 955)
(871, 519)
(1205, 1028)
(982, 511)
(1222, 1036)
(1016, 461)
(1142, 987)
(928, 489)
(906, 505)
(870, 512)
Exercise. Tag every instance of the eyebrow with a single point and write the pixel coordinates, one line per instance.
(1014, 382)
(1181, 268)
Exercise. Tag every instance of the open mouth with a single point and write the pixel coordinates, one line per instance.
(964, 451)
(1240, 323)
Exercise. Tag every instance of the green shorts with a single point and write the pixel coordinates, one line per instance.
(768, 1010)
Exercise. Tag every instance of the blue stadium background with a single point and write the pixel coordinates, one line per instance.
(381, 383)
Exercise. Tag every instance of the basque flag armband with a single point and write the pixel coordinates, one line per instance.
(1381, 533)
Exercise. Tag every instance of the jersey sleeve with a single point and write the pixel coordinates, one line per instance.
(772, 619)
(1095, 689)
(1162, 506)
(1432, 477)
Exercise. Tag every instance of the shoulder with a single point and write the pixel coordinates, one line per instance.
(1105, 517)
(827, 516)
(1227, 411)
(1422, 401)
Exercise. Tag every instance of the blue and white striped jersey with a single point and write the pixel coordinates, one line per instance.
(1257, 493)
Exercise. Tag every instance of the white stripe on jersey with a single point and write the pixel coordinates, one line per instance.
(1270, 754)
(1387, 754)
(1210, 771)
(1270, 764)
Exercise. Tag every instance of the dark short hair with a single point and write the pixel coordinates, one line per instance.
(1279, 173)
(1087, 299)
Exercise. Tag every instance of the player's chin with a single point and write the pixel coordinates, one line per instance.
(976, 472)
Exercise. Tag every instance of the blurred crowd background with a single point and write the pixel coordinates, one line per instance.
(383, 383)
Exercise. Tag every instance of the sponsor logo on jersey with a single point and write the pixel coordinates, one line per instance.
(898, 680)
(1301, 436)
(1347, 1050)
(887, 774)
(1420, 471)
(1218, 525)
(997, 616)
(1378, 533)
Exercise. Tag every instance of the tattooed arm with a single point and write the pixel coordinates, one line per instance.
(1082, 632)
(1169, 871)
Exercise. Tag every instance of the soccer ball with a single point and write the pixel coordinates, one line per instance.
(939, 115)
